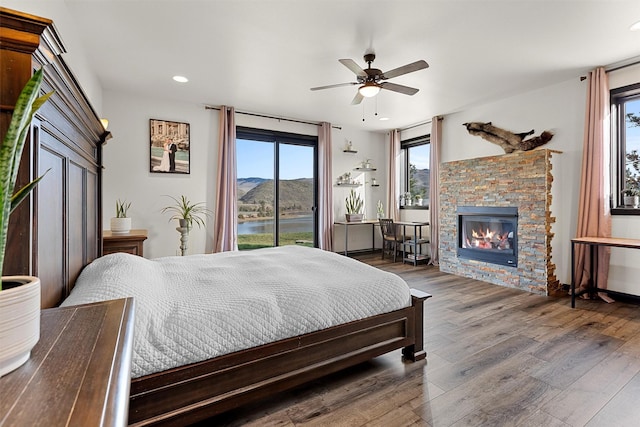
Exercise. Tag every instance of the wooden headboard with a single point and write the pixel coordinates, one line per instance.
(58, 231)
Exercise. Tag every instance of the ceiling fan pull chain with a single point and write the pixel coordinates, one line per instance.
(363, 111)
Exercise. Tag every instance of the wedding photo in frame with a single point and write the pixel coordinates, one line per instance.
(169, 147)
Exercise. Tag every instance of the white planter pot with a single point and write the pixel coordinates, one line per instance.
(632, 201)
(19, 321)
(120, 225)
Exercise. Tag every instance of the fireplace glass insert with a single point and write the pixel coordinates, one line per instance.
(488, 234)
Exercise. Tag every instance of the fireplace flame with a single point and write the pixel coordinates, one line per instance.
(488, 239)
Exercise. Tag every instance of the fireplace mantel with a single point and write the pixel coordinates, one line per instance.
(522, 180)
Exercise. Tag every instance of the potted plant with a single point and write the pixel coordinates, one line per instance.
(121, 223)
(631, 190)
(353, 205)
(380, 210)
(19, 295)
(631, 197)
(187, 212)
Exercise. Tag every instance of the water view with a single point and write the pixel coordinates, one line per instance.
(265, 226)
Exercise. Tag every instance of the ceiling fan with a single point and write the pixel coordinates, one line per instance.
(371, 80)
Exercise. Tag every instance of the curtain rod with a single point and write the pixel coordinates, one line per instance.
(210, 107)
(622, 64)
(419, 124)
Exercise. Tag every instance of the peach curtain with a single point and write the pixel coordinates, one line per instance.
(225, 235)
(434, 188)
(325, 188)
(393, 183)
(594, 216)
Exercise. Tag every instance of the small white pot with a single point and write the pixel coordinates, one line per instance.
(120, 225)
(632, 201)
(19, 321)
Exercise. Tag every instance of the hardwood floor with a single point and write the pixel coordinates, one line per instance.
(495, 357)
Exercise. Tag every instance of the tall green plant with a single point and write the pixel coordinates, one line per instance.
(11, 151)
(122, 207)
(353, 203)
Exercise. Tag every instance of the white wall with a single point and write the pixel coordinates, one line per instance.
(559, 108)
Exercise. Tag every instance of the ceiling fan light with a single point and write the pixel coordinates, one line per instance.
(369, 89)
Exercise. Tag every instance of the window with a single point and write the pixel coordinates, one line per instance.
(277, 188)
(625, 121)
(414, 170)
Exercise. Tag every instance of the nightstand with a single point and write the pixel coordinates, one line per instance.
(79, 371)
(131, 243)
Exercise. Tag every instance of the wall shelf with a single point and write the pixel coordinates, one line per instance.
(348, 185)
(365, 169)
(350, 151)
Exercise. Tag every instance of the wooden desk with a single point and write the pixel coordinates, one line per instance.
(79, 372)
(416, 242)
(616, 242)
(371, 222)
(131, 243)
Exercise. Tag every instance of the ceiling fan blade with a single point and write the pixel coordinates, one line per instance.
(409, 68)
(351, 64)
(399, 88)
(357, 99)
(332, 86)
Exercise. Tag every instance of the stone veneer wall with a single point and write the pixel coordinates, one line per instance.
(521, 179)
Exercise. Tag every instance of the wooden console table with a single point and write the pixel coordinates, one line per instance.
(616, 242)
(131, 243)
(347, 224)
(79, 371)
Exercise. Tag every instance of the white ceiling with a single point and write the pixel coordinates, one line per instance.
(263, 56)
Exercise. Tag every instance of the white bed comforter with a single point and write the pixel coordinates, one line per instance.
(197, 307)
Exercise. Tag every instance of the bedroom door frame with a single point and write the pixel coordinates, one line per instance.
(278, 139)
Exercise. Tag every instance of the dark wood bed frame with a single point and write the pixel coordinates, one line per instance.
(191, 393)
(56, 242)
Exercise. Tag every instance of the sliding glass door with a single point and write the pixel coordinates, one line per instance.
(277, 189)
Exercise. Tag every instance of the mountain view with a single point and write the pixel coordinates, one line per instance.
(296, 195)
(246, 184)
(255, 197)
(422, 181)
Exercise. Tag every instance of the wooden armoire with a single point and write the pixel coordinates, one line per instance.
(57, 231)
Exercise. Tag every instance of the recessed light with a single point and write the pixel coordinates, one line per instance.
(383, 119)
(635, 27)
(180, 79)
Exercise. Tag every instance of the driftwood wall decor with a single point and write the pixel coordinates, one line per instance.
(509, 141)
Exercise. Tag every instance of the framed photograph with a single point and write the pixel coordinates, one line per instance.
(170, 147)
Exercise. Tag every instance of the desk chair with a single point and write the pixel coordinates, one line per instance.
(391, 239)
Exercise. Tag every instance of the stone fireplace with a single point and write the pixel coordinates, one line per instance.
(488, 233)
(495, 220)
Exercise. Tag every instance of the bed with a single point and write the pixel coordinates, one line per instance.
(216, 331)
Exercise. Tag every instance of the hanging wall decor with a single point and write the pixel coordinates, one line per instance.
(169, 147)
